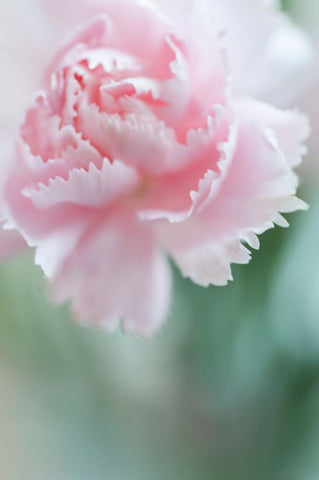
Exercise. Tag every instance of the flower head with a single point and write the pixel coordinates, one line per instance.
(144, 143)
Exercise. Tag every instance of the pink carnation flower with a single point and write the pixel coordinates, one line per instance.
(145, 142)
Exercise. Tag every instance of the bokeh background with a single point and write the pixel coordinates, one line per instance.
(229, 390)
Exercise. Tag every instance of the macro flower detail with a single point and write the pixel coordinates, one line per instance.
(139, 147)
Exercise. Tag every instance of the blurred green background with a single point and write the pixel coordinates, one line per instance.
(229, 390)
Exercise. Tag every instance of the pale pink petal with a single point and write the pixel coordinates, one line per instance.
(53, 217)
(290, 128)
(20, 213)
(170, 99)
(78, 154)
(54, 231)
(268, 55)
(116, 274)
(134, 140)
(179, 193)
(28, 38)
(255, 184)
(110, 22)
(307, 15)
(210, 263)
(92, 188)
(198, 28)
(54, 248)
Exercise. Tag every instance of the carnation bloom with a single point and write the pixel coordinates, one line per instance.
(145, 143)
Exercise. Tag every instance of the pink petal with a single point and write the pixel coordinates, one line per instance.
(134, 140)
(53, 217)
(309, 99)
(117, 274)
(210, 263)
(198, 28)
(35, 225)
(54, 248)
(254, 185)
(289, 127)
(279, 47)
(92, 188)
(28, 37)
(178, 194)
(108, 26)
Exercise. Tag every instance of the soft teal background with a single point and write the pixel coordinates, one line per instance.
(229, 390)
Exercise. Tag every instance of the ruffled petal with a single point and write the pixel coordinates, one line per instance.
(92, 188)
(179, 194)
(52, 216)
(255, 184)
(209, 263)
(20, 213)
(139, 141)
(107, 26)
(116, 274)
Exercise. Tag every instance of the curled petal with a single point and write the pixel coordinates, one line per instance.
(180, 193)
(199, 18)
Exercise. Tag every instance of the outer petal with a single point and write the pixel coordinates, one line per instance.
(255, 183)
(272, 66)
(307, 14)
(290, 127)
(22, 57)
(27, 38)
(54, 231)
(116, 273)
